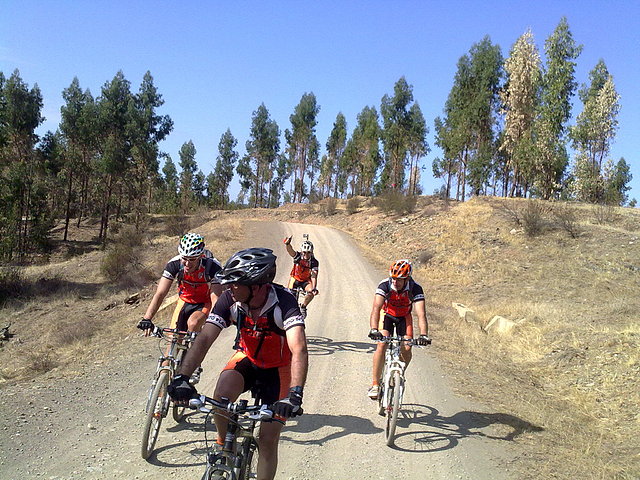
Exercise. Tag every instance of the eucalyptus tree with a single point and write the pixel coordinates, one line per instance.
(114, 145)
(396, 130)
(263, 148)
(365, 158)
(558, 86)
(146, 128)
(521, 97)
(466, 134)
(418, 146)
(336, 144)
(302, 142)
(79, 128)
(20, 115)
(189, 168)
(594, 132)
(219, 180)
(170, 183)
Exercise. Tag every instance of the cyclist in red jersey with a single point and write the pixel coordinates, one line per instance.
(271, 347)
(304, 273)
(194, 268)
(393, 302)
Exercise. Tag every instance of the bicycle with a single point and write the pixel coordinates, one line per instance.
(392, 387)
(237, 459)
(158, 400)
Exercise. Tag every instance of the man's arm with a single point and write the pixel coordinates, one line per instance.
(290, 250)
(161, 292)
(374, 319)
(297, 341)
(199, 349)
(421, 312)
(215, 290)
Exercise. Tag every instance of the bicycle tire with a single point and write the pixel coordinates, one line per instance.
(249, 451)
(393, 408)
(155, 414)
(178, 412)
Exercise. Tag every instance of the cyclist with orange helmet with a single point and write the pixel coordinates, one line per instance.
(393, 302)
(304, 274)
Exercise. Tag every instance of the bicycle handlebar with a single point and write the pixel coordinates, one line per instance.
(254, 412)
(160, 332)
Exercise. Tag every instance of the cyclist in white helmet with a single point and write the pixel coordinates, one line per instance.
(304, 274)
(194, 268)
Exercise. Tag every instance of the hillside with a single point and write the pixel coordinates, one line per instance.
(569, 370)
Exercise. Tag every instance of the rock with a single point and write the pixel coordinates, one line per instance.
(133, 299)
(500, 325)
(465, 313)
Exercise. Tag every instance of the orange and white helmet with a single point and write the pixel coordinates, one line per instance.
(400, 269)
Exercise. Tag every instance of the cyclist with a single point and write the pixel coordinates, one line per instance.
(304, 273)
(194, 268)
(393, 302)
(271, 347)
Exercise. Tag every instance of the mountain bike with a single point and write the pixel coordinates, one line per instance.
(158, 400)
(392, 387)
(237, 459)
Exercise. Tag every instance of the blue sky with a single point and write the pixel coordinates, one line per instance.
(216, 62)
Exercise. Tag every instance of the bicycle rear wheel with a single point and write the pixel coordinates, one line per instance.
(158, 405)
(393, 407)
(249, 451)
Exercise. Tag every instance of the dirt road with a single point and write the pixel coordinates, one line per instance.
(89, 426)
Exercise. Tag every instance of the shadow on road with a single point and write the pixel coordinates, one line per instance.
(428, 431)
(336, 426)
(327, 346)
(421, 429)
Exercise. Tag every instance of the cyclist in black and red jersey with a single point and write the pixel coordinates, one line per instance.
(304, 273)
(271, 347)
(393, 302)
(194, 268)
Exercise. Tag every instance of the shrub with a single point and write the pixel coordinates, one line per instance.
(41, 362)
(122, 256)
(604, 213)
(177, 225)
(394, 201)
(353, 204)
(533, 217)
(330, 207)
(12, 283)
(566, 219)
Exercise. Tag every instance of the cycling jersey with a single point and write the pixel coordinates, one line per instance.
(398, 304)
(262, 340)
(302, 268)
(193, 287)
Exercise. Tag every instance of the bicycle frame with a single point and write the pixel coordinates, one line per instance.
(233, 460)
(392, 364)
(169, 361)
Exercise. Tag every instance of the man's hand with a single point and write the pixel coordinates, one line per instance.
(181, 390)
(145, 324)
(423, 340)
(374, 334)
(287, 240)
(290, 404)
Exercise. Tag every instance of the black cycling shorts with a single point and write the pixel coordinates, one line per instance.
(270, 384)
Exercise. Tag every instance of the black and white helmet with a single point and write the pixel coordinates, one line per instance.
(253, 266)
(191, 245)
(306, 246)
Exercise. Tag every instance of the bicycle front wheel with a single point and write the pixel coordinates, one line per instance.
(393, 407)
(158, 403)
(249, 451)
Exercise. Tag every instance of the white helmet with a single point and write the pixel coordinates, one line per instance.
(306, 246)
(191, 245)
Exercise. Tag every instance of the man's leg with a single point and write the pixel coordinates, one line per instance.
(268, 450)
(196, 321)
(230, 385)
(309, 296)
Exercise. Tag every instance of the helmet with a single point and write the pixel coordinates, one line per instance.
(400, 269)
(191, 245)
(306, 246)
(253, 266)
